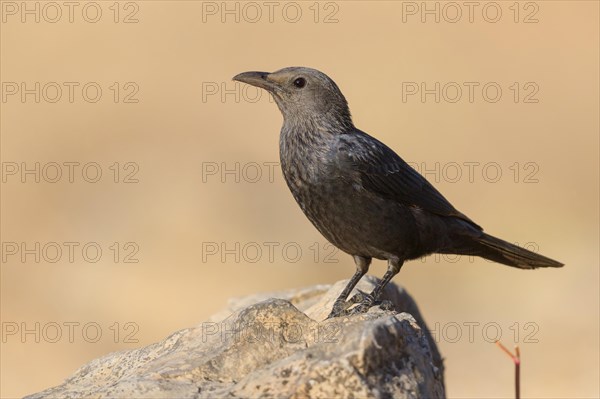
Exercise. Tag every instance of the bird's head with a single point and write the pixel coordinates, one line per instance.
(304, 95)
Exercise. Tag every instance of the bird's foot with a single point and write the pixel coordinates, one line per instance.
(359, 303)
(340, 308)
(361, 297)
(364, 302)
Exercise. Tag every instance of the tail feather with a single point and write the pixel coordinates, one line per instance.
(492, 248)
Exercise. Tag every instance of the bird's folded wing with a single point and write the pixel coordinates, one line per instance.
(383, 172)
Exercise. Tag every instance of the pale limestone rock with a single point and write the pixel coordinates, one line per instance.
(277, 345)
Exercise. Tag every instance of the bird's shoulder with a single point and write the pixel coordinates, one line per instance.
(384, 173)
(365, 153)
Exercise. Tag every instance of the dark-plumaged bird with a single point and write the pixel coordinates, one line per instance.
(360, 194)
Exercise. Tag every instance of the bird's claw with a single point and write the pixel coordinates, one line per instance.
(361, 297)
(366, 305)
(359, 303)
(364, 302)
(340, 308)
(359, 309)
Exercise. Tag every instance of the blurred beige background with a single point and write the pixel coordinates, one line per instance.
(190, 123)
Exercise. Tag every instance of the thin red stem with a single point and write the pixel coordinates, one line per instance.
(516, 358)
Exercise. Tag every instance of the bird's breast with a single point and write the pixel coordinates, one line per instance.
(333, 199)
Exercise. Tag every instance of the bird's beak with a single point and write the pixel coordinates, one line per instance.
(258, 79)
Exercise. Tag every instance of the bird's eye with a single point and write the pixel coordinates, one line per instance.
(300, 83)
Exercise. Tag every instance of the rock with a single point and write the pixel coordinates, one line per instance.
(277, 346)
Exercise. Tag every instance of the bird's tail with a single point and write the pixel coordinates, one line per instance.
(497, 250)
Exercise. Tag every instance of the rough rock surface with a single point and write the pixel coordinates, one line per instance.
(277, 346)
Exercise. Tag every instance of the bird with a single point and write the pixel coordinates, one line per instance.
(360, 195)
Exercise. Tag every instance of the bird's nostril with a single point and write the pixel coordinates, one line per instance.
(263, 75)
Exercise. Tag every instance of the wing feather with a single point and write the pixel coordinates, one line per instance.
(383, 172)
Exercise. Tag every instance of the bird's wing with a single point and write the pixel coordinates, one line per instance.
(383, 172)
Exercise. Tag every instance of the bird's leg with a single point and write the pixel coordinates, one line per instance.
(362, 267)
(394, 266)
